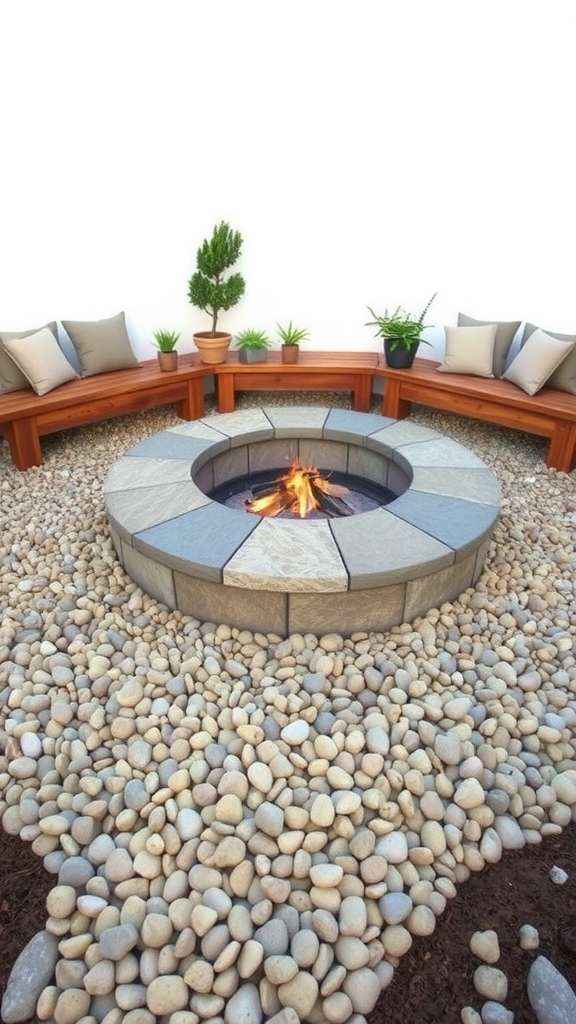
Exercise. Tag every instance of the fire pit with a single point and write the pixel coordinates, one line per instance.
(422, 543)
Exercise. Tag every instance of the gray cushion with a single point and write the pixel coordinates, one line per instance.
(41, 360)
(469, 350)
(11, 376)
(505, 331)
(563, 378)
(101, 345)
(537, 360)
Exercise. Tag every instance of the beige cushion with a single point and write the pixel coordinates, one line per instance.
(41, 360)
(469, 350)
(11, 377)
(564, 377)
(505, 332)
(101, 345)
(536, 361)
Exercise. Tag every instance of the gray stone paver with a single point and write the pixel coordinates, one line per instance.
(246, 424)
(440, 452)
(288, 555)
(468, 484)
(169, 445)
(399, 432)
(198, 429)
(200, 542)
(310, 419)
(141, 507)
(353, 427)
(397, 550)
(457, 523)
(128, 473)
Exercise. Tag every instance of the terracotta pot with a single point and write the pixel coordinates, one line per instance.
(168, 361)
(212, 348)
(401, 358)
(290, 353)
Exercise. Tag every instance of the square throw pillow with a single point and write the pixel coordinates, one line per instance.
(537, 360)
(505, 332)
(564, 377)
(11, 377)
(469, 350)
(101, 345)
(41, 360)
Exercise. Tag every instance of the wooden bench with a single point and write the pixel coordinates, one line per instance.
(314, 371)
(550, 413)
(26, 416)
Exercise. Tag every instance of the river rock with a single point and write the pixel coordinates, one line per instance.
(550, 995)
(167, 994)
(244, 1007)
(32, 971)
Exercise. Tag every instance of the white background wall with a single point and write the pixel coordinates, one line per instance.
(369, 151)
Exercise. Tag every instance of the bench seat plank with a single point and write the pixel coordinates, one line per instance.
(550, 413)
(314, 371)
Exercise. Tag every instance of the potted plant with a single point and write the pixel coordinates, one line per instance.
(291, 337)
(166, 342)
(402, 334)
(252, 346)
(211, 291)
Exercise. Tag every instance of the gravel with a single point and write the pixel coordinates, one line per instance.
(253, 828)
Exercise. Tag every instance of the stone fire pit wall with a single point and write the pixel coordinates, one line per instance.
(365, 572)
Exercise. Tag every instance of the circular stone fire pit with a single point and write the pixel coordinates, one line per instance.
(364, 572)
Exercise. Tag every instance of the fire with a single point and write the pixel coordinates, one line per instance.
(300, 491)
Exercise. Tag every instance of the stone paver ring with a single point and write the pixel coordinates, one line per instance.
(368, 571)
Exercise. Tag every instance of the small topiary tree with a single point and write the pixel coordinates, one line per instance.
(208, 288)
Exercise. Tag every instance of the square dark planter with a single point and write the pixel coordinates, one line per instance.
(252, 355)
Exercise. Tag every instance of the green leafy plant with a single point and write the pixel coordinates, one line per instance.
(208, 288)
(253, 339)
(400, 328)
(291, 335)
(166, 341)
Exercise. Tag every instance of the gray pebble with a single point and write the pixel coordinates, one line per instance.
(550, 995)
(30, 974)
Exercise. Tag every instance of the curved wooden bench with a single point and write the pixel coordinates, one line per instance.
(550, 413)
(26, 416)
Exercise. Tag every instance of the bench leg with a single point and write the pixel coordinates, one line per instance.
(392, 404)
(225, 399)
(192, 407)
(24, 442)
(362, 394)
(562, 450)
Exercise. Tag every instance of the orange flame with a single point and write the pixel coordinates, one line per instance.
(295, 493)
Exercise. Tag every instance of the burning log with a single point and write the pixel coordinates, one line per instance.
(302, 490)
(332, 505)
(263, 490)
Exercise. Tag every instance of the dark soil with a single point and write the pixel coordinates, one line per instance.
(434, 979)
